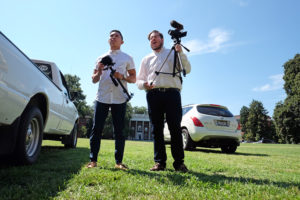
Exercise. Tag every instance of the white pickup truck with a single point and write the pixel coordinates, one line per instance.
(35, 104)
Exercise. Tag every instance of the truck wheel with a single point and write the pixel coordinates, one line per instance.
(229, 148)
(187, 140)
(70, 141)
(30, 136)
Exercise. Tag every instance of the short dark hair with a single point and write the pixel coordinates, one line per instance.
(117, 32)
(155, 31)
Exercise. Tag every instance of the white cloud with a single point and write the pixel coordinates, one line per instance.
(276, 83)
(217, 40)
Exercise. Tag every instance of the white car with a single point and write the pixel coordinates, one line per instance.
(208, 125)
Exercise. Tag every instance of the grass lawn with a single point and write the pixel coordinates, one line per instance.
(255, 171)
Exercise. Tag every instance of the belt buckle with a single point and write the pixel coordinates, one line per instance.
(162, 89)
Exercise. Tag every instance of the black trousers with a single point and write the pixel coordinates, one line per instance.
(118, 115)
(167, 104)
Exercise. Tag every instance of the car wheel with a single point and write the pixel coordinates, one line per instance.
(30, 136)
(229, 148)
(70, 141)
(187, 140)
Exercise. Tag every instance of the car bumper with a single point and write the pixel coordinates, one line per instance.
(200, 133)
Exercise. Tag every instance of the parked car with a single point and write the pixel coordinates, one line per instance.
(208, 125)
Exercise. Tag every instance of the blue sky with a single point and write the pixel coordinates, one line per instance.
(238, 47)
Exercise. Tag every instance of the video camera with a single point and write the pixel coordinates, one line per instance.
(176, 34)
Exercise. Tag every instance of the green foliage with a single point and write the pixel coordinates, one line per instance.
(257, 125)
(82, 131)
(287, 113)
(244, 112)
(74, 85)
(287, 120)
(292, 76)
(140, 110)
(80, 103)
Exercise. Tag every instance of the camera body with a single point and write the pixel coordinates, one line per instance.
(176, 34)
(107, 61)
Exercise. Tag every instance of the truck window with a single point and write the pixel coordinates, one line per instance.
(46, 69)
(65, 89)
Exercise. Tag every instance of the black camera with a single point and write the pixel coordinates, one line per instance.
(107, 61)
(176, 34)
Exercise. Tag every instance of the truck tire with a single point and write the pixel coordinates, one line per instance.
(30, 136)
(188, 143)
(70, 141)
(229, 148)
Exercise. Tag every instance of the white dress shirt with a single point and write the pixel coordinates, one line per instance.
(153, 62)
(107, 92)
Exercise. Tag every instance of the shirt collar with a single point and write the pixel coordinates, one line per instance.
(114, 52)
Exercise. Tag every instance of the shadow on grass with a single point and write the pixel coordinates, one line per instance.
(43, 180)
(236, 153)
(220, 152)
(178, 178)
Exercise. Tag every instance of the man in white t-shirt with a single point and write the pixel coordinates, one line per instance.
(112, 97)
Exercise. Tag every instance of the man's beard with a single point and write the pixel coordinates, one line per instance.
(159, 47)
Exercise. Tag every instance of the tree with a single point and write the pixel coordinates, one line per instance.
(287, 113)
(74, 85)
(80, 103)
(140, 110)
(244, 112)
(257, 125)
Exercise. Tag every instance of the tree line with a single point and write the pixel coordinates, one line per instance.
(284, 127)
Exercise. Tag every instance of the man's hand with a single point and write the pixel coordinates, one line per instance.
(119, 76)
(147, 86)
(97, 72)
(178, 48)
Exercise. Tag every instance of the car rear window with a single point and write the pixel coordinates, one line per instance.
(185, 110)
(214, 111)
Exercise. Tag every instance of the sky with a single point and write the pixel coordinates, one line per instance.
(237, 47)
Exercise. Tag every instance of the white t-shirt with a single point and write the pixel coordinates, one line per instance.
(107, 92)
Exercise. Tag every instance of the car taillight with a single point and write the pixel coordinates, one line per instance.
(197, 122)
(239, 127)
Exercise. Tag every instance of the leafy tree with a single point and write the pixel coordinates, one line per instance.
(292, 76)
(244, 112)
(74, 85)
(257, 125)
(287, 113)
(80, 103)
(140, 110)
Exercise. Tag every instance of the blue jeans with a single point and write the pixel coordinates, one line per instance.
(161, 104)
(118, 115)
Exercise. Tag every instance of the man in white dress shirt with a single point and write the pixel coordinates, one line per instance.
(164, 99)
(113, 97)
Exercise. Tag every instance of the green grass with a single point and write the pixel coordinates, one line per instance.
(255, 171)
